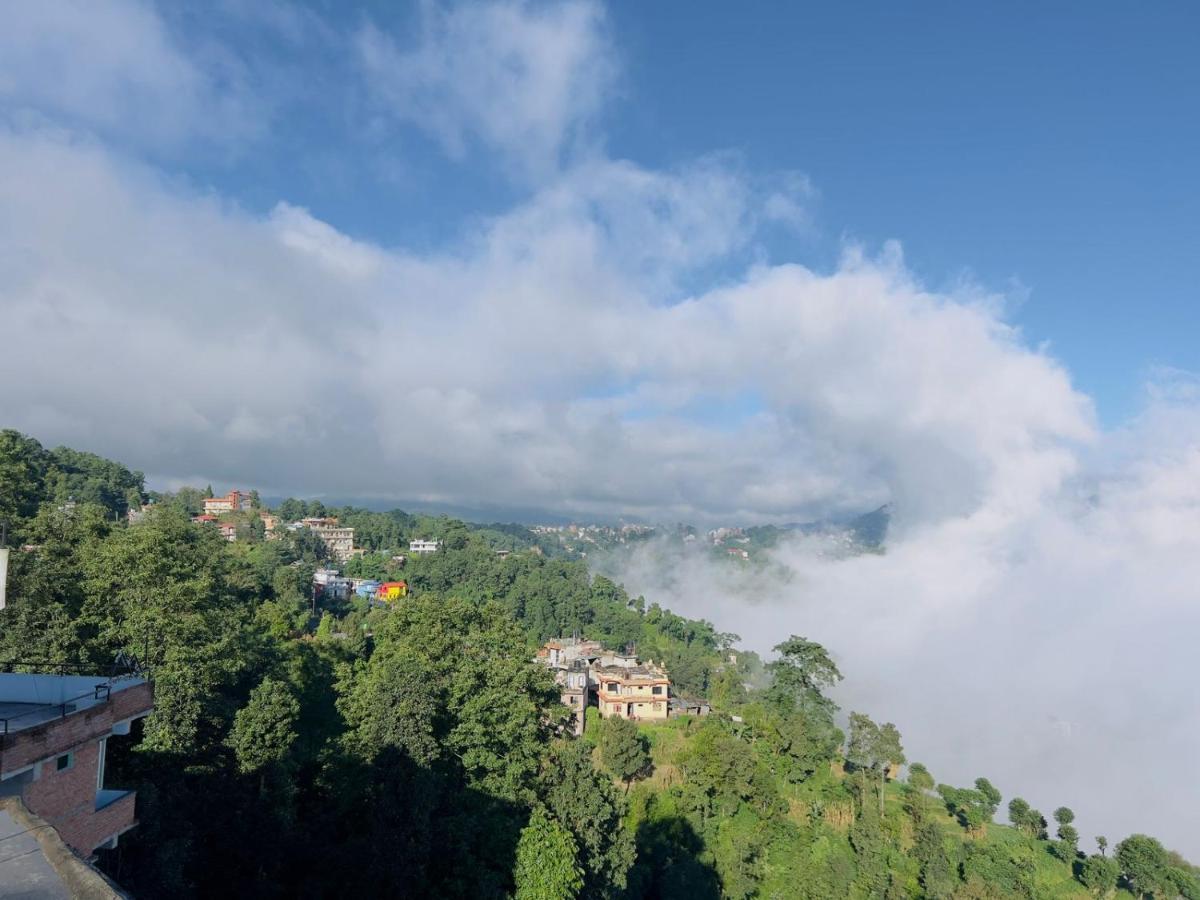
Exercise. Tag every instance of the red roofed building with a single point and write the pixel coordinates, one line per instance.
(234, 501)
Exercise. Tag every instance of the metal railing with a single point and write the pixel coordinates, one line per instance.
(100, 693)
(124, 666)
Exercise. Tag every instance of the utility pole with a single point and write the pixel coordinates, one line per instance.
(3, 562)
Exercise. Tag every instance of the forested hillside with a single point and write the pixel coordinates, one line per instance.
(311, 749)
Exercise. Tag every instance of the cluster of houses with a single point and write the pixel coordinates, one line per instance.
(618, 684)
(338, 538)
(331, 584)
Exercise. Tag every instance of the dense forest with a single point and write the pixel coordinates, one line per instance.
(303, 748)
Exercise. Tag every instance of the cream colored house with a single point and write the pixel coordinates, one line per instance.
(632, 692)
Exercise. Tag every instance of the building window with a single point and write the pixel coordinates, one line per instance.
(64, 762)
(613, 687)
(657, 689)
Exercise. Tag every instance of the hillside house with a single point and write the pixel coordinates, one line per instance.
(571, 660)
(421, 546)
(391, 591)
(339, 539)
(330, 583)
(632, 692)
(234, 501)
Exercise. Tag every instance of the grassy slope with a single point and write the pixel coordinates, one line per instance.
(1053, 878)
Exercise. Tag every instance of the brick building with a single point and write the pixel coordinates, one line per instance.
(234, 501)
(54, 732)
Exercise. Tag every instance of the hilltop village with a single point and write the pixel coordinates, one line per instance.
(614, 682)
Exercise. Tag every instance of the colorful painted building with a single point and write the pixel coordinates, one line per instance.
(390, 591)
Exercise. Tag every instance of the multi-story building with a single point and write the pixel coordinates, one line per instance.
(632, 692)
(234, 501)
(332, 584)
(621, 684)
(339, 539)
(571, 660)
(54, 732)
(423, 546)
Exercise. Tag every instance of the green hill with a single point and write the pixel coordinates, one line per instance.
(308, 746)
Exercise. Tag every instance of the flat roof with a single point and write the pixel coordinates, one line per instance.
(28, 699)
(27, 871)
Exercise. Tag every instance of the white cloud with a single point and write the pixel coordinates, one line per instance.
(116, 69)
(540, 357)
(522, 79)
(1047, 646)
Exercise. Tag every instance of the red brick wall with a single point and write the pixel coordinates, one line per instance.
(55, 736)
(67, 800)
(23, 747)
(85, 833)
(137, 700)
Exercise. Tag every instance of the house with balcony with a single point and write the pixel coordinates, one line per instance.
(339, 539)
(640, 691)
(54, 734)
(422, 546)
(331, 584)
(571, 659)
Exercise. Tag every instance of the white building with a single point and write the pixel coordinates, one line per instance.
(423, 546)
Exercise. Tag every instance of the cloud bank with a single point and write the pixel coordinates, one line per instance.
(617, 342)
(1048, 647)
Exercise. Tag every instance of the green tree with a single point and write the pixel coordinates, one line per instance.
(171, 593)
(803, 670)
(1099, 874)
(547, 868)
(1143, 862)
(874, 748)
(1026, 819)
(480, 706)
(919, 778)
(623, 750)
(23, 467)
(587, 804)
(1064, 816)
(265, 728)
(970, 807)
(1102, 843)
(937, 871)
(325, 627)
(1067, 845)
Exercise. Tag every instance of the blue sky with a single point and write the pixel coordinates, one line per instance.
(1045, 152)
(1052, 144)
